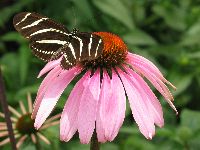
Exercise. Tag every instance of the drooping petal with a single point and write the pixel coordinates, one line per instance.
(157, 82)
(139, 109)
(134, 58)
(149, 97)
(141, 60)
(151, 72)
(111, 111)
(88, 108)
(50, 65)
(69, 119)
(160, 86)
(51, 76)
(148, 64)
(53, 93)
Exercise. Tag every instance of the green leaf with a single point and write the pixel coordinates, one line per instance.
(10, 68)
(194, 143)
(192, 36)
(23, 91)
(194, 29)
(12, 36)
(117, 10)
(183, 99)
(138, 12)
(190, 119)
(184, 133)
(190, 40)
(139, 37)
(136, 142)
(84, 9)
(24, 57)
(173, 16)
(164, 132)
(180, 81)
(195, 55)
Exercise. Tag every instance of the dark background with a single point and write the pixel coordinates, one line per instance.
(166, 32)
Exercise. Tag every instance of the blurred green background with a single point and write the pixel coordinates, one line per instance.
(166, 32)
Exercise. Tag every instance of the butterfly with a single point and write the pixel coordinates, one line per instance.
(50, 40)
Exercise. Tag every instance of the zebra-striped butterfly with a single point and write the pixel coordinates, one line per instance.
(50, 40)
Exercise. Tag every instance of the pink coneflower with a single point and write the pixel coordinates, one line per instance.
(98, 100)
(24, 126)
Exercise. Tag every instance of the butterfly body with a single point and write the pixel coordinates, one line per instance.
(50, 40)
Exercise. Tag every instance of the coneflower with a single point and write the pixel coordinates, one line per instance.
(98, 100)
(24, 126)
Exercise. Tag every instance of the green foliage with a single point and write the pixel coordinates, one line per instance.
(110, 7)
(139, 37)
(166, 32)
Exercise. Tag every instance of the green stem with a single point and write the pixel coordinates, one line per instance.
(95, 145)
(37, 144)
(4, 105)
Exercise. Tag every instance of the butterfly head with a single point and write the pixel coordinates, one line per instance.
(74, 31)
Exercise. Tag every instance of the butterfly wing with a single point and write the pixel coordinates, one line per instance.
(45, 35)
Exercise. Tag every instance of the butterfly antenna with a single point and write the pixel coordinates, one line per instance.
(75, 16)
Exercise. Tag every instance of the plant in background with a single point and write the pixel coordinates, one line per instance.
(24, 126)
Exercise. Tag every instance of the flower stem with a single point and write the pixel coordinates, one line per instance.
(37, 144)
(4, 105)
(95, 145)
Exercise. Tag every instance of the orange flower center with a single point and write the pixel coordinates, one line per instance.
(114, 52)
(112, 43)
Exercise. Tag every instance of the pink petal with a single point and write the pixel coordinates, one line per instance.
(149, 98)
(100, 120)
(69, 119)
(137, 59)
(51, 76)
(50, 65)
(140, 59)
(159, 85)
(52, 94)
(111, 111)
(88, 106)
(139, 109)
(151, 72)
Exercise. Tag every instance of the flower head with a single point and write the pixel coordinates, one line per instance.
(24, 126)
(98, 100)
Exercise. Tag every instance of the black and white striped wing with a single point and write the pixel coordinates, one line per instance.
(83, 46)
(50, 40)
(45, 35)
